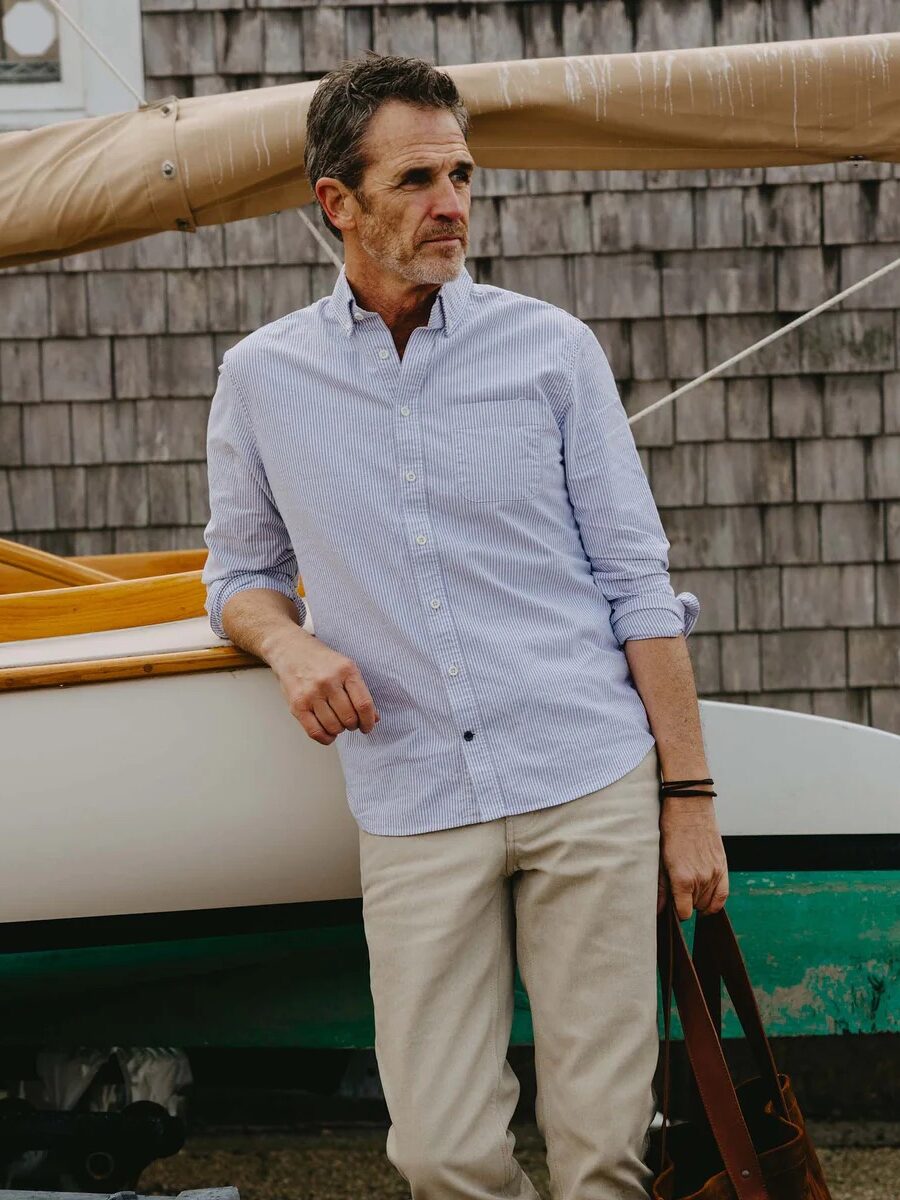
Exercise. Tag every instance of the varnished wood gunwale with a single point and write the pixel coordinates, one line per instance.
(94, 607)
(70, 674)
(140, 564)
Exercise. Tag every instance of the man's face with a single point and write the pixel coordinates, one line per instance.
(414, 191)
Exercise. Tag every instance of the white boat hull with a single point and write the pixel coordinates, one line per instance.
(200, 791)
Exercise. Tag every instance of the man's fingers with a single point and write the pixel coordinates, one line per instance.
(311, 724)
(683, 898)
(719, 894)
(704, 894)
(362, 702)
(326, 716)
(342, 706)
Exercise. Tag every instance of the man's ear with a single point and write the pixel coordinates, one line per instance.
(338, 202)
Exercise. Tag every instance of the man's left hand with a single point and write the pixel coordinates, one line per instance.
(692, 857)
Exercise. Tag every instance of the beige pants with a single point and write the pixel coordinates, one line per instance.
(568, 892)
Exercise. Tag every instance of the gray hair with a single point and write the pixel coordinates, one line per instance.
(349, 96)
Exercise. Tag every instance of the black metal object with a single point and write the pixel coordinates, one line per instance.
(226, 1193)
(101, 1150)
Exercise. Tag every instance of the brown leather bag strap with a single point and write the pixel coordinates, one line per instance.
(718, 958)
(666, 960)
(720, 1102)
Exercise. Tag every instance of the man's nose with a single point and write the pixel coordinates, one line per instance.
(448, 202)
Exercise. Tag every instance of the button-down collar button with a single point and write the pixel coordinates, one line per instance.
(454, 670)
(421, 539)
(435, 603)
(404, 411)
(383, 353)
(410, 475)
(357, 316)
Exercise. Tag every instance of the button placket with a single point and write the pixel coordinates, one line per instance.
(383, 364)
(448, 654)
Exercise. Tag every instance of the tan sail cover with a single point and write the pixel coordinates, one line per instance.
(178, 164)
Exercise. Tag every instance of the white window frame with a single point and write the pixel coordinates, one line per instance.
(87, 87)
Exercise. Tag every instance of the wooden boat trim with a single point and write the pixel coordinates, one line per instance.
(105, 670)
(94, 607)
(139, 564)
(50, 566)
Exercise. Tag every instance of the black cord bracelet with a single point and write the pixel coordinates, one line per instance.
(676, 787)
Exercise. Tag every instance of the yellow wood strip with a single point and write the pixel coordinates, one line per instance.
(93, 607)
(216, 658)
(50, 566)
(140, 564)
(14, 579)
(152, 562)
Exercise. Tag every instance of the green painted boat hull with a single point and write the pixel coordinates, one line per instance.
(822, 950)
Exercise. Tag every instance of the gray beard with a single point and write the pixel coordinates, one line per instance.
(420, 268)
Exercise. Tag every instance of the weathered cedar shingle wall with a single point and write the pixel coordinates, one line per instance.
(779, 486)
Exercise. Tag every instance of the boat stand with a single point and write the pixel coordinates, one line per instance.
(226, 1193)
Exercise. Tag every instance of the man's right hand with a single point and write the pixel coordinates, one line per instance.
(324, 689)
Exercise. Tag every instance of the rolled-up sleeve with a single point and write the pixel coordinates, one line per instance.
(617, 516)
(248, 543)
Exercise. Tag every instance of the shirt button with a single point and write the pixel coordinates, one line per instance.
(421, 539)
(404, 411)
(454, 670)
(468, 735)
(435, 603)
(410, 475)
(383, 353)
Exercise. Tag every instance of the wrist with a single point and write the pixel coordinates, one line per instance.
(687, 804)
(280, 642)
(673, 767)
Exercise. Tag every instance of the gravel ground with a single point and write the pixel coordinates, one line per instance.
(349, 1165)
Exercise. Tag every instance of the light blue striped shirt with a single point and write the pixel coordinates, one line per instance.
(474, 529)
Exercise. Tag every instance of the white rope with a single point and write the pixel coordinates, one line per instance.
(686, 387)
(320, 238)
(96, 49)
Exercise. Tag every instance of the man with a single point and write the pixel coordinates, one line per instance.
(497, 648)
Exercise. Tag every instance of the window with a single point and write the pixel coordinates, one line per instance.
(48, 74)
(29, 42)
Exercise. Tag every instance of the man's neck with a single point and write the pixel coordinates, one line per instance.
(402, 305)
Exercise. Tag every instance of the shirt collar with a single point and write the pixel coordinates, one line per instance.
(446, 311)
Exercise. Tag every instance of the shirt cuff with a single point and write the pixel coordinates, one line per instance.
(215, 599)
(650, 617)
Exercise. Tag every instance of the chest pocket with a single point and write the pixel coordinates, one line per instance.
(496, 446)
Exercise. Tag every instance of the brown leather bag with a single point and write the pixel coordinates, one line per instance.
(747, 1142)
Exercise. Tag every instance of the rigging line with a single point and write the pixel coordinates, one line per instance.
(70, 20)
(320, 238)
(686, 387)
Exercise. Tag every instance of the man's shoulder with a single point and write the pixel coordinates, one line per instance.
(289, 330)
(523, 307)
